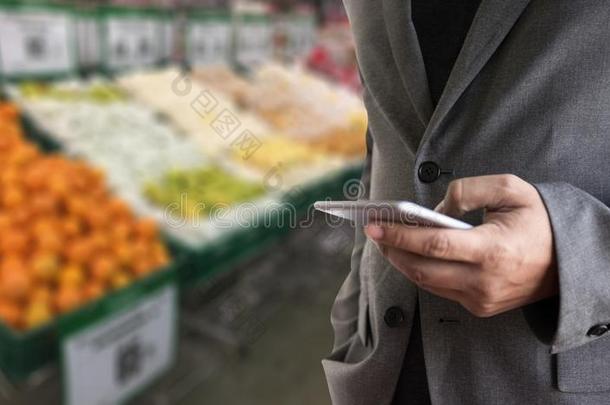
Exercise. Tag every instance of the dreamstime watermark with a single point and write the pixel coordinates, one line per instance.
(354, 189)
(285, 214)
(225, 216)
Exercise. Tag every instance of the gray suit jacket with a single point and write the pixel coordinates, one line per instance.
(529, 95)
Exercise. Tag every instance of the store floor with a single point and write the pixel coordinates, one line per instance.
(289, 294)
(253, 336)
(283, 366)
(271, 325)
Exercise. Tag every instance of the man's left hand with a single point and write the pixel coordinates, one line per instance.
(505, 263)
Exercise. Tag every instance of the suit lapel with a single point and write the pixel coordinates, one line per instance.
(491, 24)
(407, 55)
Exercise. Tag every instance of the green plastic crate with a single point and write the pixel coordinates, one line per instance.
(23, 353)
(34, 134)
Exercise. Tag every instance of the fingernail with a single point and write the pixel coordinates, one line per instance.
(374, 232)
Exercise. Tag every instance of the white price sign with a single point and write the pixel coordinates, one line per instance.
(117, 356)
(208, 42)
(36, 42)
(254, 42)
(132, 42)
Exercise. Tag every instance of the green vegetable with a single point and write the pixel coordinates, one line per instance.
(198, 191)
(97, 93)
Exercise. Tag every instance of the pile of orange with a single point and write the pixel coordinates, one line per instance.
(64, 238)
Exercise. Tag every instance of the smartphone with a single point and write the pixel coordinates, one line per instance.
(403, 212)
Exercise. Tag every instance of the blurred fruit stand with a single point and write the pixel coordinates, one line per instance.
(187, 148)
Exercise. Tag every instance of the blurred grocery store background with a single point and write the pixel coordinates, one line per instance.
(158, 165)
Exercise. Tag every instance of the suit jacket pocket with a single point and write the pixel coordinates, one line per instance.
(585, 368)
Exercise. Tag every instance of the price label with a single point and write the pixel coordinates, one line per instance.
(132, 41)
(254, 41)
(36, 42)
(208, 42)
(118, 355)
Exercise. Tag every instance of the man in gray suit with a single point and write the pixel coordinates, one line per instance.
(511, 120)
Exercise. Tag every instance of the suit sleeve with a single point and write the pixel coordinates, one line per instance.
(581, 232)
(344, 313)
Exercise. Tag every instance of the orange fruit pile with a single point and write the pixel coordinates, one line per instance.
(64, 238)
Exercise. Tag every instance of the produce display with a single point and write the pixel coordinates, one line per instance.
(298, 104)
(278, 150)
(221, 79)
(327, 117)
(124, 139)
(200, 191)
(294, 162)
(98, 92)
(161, 138)
(194, 111)
(140, 153)
(299, 161)
(65, 239)
(294, 131)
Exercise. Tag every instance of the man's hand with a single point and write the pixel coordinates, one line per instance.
(505, 263)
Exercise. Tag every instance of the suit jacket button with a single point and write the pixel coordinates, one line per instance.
(428, 172)
(394, 317)
(598, 330)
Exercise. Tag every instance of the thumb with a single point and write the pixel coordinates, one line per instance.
(492, 192)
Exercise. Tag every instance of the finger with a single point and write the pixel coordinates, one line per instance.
(440, 243)
(431, 273)
(491, 192)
